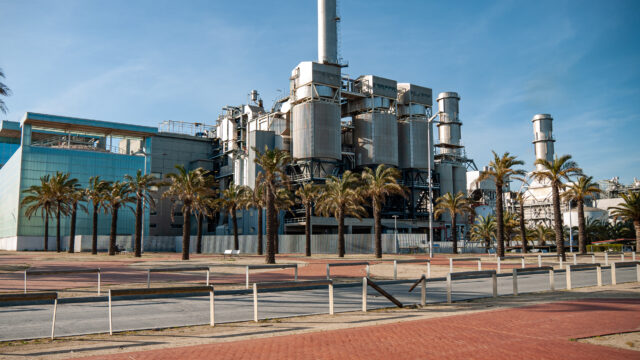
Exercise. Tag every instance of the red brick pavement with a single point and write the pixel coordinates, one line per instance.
(533, 332)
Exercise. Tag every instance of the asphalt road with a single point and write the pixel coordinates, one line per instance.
(34, 321)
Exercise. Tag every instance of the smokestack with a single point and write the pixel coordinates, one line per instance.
(327, 32)
(449, 125)
(543, 137)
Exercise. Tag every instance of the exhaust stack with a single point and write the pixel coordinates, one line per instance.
(542, 137)
(327, 32)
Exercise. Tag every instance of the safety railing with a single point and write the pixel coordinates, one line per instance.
(176, 269)
(411, 261)
(366, 282)
(290, 285)
(58, 272)
(517, 272)
(619, 264)
(272, 266)
(452, 260)
(471, 275)
(499, 261)
(571, 268)
(575, 257)
(329, 265)
(34, 297)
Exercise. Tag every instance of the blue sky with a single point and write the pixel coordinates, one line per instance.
(148, 61)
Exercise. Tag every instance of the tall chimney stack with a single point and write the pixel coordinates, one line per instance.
(543, 137)
(327, 32)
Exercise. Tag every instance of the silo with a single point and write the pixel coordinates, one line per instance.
(376, 139)
(445, 171)
(459, 179)
(543, 141)
(449, 125)
(412, 144)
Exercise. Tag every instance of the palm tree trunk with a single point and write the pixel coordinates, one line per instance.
(234, 219)
(94, 239)
(138, 229)
(454, 233)
(487, 244)
(523, 230)
(377, 228)
(557, 222)
(271, 238)
(46, 231)
(341, 233)
(199, 234)
(499, 220)
(636, 226)
(72, 230)
(114, 229)
(582, 238)
(186, 232)
(58, 229)
(276, 244)
(307, 230)
(260, 231)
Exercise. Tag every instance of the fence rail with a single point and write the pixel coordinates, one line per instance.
(272, 266)
(49, 295)
(471, 275)
(329, 265)
(61, 271)
(290, 284)
(177, 269)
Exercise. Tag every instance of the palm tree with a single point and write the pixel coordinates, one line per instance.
(457, 204)
(233, 199)
(140, 186)
(555, 173)
(284, 202)
(501, 171)
(4, 91)
(510, 224)
(339, 198)
(484, 230)
(116, 195)
(254, 199)
(40, 198)
(307, 193)
(542, 233)
(579, 191)
(95, 193)
(629, 210)
(273, 175)
(523, 229)
(61, 186)
(185, 187)
(204, 205)
(76, 195)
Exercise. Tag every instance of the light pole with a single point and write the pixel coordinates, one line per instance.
(570, 229)
(429, 157)
(395, 237)
(144, 220)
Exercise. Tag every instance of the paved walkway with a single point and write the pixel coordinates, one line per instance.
(533, 332)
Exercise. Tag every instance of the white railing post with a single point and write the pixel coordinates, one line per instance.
(606, 258)
(148, 278)
(368, 273)
(331, 310)
(560, 260)
(328, 272)
(613, 274)
(364, 294)
(295, 273)
(622, 257)
(449, 288)
(211, 308)
(593, 259)
(98, 282)
(494, 279)
(247, 277)
(53, 323)
(479, 264)
(638, 272)
(207, 277)
(255, 302)
(110, 318)
(633, 255)
(450, 265)
(423, 291)
(429, 269)
(498, 264)
(575, 259)
(539, 260)
(515, 282)
(25, 281)
(523, 265)
(395, 269)
(568, 277)
(552, 280)
(599, 274)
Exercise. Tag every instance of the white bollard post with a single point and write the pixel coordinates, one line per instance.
(552, 280)
(523, 266)
(364, 294)
(599, 275)
(211, 308)
(593, 259)
(395, 270)
(423, 291)
(25, 282)
(633, 256)
(148, 278)
(450, 265)
(622, 257)
(479, 265)
(247, 277)
(498, 264)
(494, 279)
(331, 299)
(110, 318)
(575, 259)
(560, 260)
(613, 274)
(368, 273)
(255, 302)
(295, 273)
(207, 277)
(515, 282)
(568, 277)
(637, 272)
(606, 258)
(449, 288)
(328, 272)
(539, 260)
(98, 282)
(53, 323)
(429, 270)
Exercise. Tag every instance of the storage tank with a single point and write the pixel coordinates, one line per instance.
(449, 125)
(445, 171)
(459, 179)
(412, 144)
(376, 139)
(315, 130)
(543, 142)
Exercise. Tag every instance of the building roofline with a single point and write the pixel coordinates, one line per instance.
(89, 125)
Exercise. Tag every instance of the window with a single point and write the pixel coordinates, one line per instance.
(152, 225)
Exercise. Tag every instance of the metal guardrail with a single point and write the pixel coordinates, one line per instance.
(516, 272)
(584, 267)
(289, 284)
(177, 269)
(50, 295)
(471, 275)
(410, 261)
(499, 261)
(615, 265)
(57, 272)
(272, 266)
(451, 260)
(575, 258)
(423, 289)
(163, 291)
(606, 256)
(366, 282)
(540, 256)
(329, 265)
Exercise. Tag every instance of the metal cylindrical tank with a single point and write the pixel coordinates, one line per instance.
(449, 126)
(412, 144)
(445, 172)
(315, 130)
(327, 32)
(543, 142)
(459, 179)
(376, 139)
